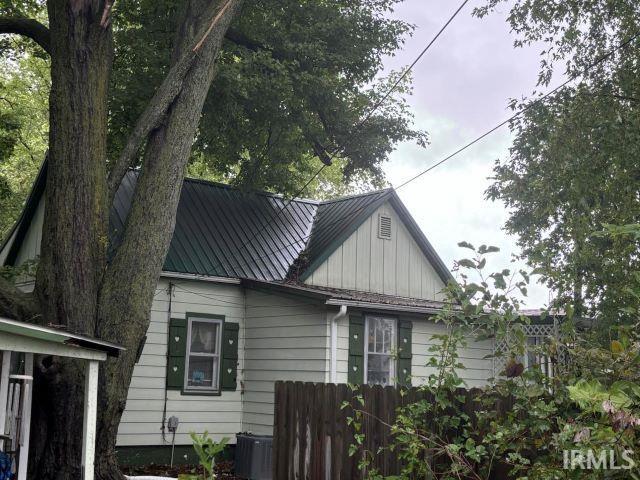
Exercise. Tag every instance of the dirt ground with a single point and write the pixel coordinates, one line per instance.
(223, 469)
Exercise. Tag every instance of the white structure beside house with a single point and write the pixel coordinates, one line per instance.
(332, 291)
(19, 342)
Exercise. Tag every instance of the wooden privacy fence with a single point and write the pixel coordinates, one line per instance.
(312, 437)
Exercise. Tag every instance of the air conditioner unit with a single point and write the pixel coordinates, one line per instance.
(253, 456)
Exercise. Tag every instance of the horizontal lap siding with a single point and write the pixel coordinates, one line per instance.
(367, 263)
(477, 369)
(220, 415)
(286, 339)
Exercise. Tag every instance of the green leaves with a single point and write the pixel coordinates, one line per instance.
(294, 80)
(464, 244)
(571, 182)
(207, 451)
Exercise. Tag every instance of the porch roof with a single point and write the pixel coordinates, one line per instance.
(353, 298)
(55, 337)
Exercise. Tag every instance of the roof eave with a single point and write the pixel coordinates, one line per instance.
(383, 306)
(421, 239)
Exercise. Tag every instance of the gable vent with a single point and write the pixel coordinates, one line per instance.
(384, 227)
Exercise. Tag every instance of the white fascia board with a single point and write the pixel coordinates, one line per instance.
(18, 343)
(202, 278)
(382, 306)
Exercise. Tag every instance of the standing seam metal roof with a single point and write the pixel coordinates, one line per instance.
(224, 232)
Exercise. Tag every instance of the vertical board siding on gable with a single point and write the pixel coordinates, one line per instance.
(286, 339)
(30, 247)
(220, 415)
(367, 263)
(7, 246)
(477, 369)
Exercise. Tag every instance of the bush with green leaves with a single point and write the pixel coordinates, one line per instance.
(546, 427)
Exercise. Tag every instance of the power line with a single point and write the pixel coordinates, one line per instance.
(366, 118)
(521, 111)
(410, 68)
(476, 140)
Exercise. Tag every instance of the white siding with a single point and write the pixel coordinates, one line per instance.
(5, 251)
(477, 369)
(30, 247)
(367, 263)
(220, 415)
(286, 339)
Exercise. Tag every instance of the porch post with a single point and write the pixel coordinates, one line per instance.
(4, 391)
(90, 416)
(25, 421)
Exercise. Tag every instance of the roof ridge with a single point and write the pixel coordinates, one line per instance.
(356, 195)
(212, 183)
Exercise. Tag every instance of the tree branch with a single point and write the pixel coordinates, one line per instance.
(242, 40)
(28, 28)
(150, 119)
(158, 106)
(17, 304)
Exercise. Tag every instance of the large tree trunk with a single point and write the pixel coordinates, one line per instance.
(124, 306)
(75, 286)
(74, 232)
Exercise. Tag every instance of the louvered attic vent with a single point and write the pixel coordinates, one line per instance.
(384, 227)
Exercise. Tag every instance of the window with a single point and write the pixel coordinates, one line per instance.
(203, 354)
(384, 227)
(535, 358)
(379, 349)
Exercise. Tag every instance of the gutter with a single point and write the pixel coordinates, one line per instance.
(382, 306)
(334, 342)
(202, 278)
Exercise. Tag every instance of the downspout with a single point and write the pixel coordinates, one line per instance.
(334, 342)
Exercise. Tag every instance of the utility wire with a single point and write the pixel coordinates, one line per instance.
(521, 111)
(476, 140)
(410, 67)
(366, 118)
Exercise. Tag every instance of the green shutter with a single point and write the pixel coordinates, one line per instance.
(229, 370)
(356, 349)
(404, 352)
(177, 351)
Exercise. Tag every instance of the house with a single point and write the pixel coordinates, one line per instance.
(252, 292)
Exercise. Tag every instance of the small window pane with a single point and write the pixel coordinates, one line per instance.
(204, 337)
(379, 370)
(381, 335)
(201, 371)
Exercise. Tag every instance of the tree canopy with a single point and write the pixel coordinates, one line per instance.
(294, 80)
(574, 165)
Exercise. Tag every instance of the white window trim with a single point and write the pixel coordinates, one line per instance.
(394, 336)
(216, 371)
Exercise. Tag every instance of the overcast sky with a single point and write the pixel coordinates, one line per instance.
(461, 89)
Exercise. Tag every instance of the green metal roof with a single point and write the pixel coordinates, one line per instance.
(224, 232)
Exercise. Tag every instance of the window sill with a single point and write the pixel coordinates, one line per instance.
(201, 393)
